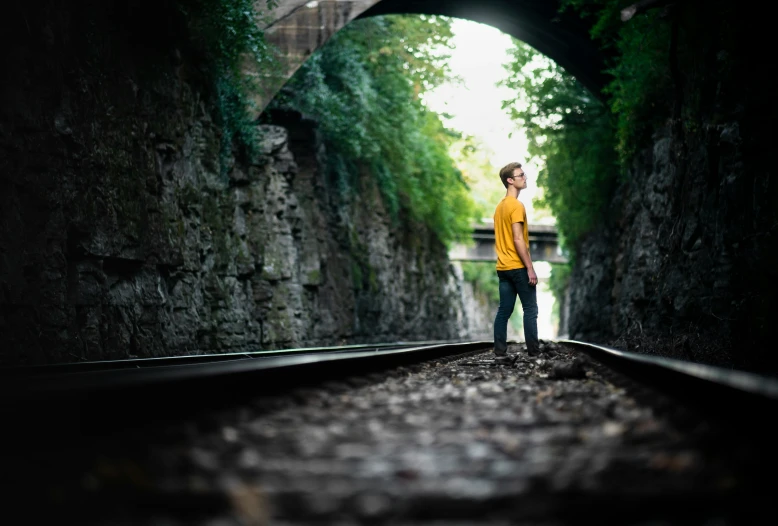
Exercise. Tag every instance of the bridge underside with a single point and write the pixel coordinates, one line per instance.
(298, 28)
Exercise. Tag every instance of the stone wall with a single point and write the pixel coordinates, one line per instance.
(125, 233)
(685, 262)
(685, 265)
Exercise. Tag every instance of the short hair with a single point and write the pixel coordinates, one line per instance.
(507, 171)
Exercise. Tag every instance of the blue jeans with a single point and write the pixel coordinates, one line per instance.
(513, 282)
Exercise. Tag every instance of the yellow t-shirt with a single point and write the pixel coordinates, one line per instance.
(509, 211)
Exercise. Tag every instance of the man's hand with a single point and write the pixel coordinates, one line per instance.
(533, 278)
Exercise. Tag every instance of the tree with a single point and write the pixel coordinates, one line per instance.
(571, 132)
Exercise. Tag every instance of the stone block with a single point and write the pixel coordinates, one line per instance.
(150, 287)
(86, 283)
(89, 337)
(273, 139)
(279, 260)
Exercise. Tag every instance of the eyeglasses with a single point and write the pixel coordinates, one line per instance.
(515, 176)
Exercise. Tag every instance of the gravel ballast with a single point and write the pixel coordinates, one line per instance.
(552, 439)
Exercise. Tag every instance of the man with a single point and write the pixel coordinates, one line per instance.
(514, 265)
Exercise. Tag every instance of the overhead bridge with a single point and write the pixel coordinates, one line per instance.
(543, 245)
(297, 28)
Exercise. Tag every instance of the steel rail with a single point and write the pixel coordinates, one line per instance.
(61, 368)
(104, 402)
(720, 393)
(129, 377)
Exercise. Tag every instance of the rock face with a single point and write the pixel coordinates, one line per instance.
(687, 260)
(685, 264)
(125, 232)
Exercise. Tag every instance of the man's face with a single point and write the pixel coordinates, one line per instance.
(519, 180)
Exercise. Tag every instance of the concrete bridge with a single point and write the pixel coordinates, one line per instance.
(543, 245)
(297, 28)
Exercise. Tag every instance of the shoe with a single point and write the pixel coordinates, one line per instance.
(504, 359)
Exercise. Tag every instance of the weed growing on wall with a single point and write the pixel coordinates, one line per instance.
(640, 92)
(229, 34)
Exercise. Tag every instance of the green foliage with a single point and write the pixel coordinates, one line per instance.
(571, 132)
(229, 33)
(560, 278)
(640, 93)
(558, 283)
(472, 157)
(484, 278)
(583, 143)
(364, 89)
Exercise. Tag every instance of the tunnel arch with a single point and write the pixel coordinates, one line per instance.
(299, 28)
(562, 37)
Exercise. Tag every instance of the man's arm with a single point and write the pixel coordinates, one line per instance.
(523, 251)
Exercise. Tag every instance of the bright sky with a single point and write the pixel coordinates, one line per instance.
(475, 104)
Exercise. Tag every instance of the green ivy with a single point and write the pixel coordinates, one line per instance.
(640, 92)
(228, 32)
(365, 89)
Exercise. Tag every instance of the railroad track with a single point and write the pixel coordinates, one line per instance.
(136, 363)
(92, 423)
(723, 394)
(122, 393)
(30, 383)
(703, 385)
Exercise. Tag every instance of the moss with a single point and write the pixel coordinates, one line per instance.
(275, 263)
(213, 218)
(243, 256)
(356, 275)
(421, 261)
(189, 196)
(180, 227)
(313, 277)
(372, 279)
(211, 213)
(363, 275)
